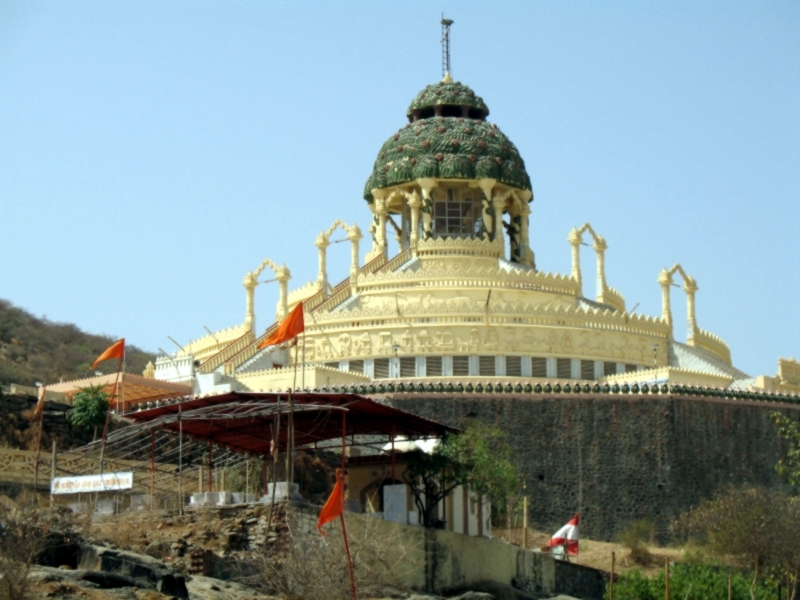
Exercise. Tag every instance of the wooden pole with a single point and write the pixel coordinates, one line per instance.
(276, 436)
(247, 476)
(53, 465)
(341, 515)
(730, 585)
(524, 522)
(38, 452)
(200, 479)
(611, 580)
(666, 585)
(153, 464)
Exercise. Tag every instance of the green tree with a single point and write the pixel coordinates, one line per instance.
(89, 408)
(754, 528)
(789, 465)
(705, 581)
(478, 457)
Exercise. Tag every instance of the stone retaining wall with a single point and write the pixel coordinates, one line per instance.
(615, 458)
(18, 432)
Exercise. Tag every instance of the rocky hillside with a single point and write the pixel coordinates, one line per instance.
(34, 349)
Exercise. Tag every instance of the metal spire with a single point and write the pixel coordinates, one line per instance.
(446, 45)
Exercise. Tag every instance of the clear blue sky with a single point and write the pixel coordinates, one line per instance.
(151, 153)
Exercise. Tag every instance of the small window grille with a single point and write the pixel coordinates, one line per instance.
(514, 366)
(486, 366)
(609, 368)
(538, 366)
(563, 368)
(461, 366)
(433, 366)
(630, 368)
(408, 366)
(587, 369)
(332, 365)
(357, 366)
(381, 368)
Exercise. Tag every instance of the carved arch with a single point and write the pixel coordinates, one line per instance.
(690, 287)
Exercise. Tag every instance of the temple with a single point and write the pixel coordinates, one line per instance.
(450, 291)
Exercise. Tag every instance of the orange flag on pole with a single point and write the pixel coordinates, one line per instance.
(290, 327)
(116, 350)
(334, 505)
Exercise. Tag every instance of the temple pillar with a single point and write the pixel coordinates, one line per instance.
(381, 211)
(514, 227)
(354, 235)
(600, 248)
(250, 282)
(690, 287)
(322, 244)
(487, 211)
(498, 202)
(526, 254)
(283, 276)
(574, 238)
(665, 279)
(414, 203)
(426, 185)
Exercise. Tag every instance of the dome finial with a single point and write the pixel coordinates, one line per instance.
(447, 78)
(446, 48)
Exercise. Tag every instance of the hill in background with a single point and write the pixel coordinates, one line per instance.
(34, 349)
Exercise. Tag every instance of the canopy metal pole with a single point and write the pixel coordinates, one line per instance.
(341, 514)
(210, 466)
(180, 463)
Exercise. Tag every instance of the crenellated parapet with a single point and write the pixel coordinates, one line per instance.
(789, 371)
(711, 343)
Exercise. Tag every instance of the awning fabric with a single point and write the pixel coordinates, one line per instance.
(245, 421)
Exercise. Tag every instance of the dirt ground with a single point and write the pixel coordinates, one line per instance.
(598, 554)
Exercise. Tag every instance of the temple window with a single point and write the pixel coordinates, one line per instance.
(514, 366)
(563, 368)
(381, 367)
(408, 366)
(457, 214)
(630, 368)
(461, 366)
(486, 366)
(609, 368)
(356, 366)
(433, 366)
(587, 369)
(538, 366)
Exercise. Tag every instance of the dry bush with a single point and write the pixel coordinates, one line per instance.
(26, 531)
(304, 565)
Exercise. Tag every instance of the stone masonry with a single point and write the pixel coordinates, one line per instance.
(616, 458)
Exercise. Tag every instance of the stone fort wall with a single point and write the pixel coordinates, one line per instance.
(616, 458)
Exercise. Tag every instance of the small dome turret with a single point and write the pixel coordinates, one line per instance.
(447, 138)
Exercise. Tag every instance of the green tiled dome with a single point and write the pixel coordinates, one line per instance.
(449, 148)
(447, 93)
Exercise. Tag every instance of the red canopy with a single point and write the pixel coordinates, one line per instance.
(245, 421)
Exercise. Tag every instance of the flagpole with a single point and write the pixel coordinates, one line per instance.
(341, 514)
(108, 412)
(290, 438)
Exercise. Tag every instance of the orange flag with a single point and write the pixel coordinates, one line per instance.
(289, 328)
(116, 350)
(334, 505)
